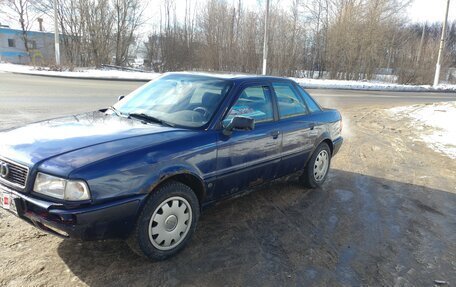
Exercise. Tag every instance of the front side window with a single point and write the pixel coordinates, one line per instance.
(177, 99)
(11, 43)
(254, 102)
(289, 102)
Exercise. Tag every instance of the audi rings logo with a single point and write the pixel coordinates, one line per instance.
(4, 169)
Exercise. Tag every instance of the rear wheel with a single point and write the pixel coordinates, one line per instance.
(166, 223)
(317, 167)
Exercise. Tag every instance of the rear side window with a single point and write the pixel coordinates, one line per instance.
(289, 102)
(311, 104)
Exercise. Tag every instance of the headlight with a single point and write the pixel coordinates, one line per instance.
(61, 188)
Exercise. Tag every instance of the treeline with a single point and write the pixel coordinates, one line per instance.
(96, 32)
(338, 39)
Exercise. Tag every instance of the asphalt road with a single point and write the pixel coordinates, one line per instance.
(26, 98)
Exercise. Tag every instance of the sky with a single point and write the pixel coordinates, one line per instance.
(419, 11)
(431, 10)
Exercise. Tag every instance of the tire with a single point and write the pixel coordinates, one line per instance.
(317, 168)
(166, 223)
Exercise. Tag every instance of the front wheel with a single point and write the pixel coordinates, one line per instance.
(317, 167)
(166, 223)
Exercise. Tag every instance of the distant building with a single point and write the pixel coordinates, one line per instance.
(12, 48)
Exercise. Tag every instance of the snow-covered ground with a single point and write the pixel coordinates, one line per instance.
(435, 123)
(79, 73)
(305, 82)
(371, 86)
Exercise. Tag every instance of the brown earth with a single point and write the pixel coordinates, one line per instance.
(386, 216)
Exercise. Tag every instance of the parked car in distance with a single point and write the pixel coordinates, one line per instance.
(143, 169)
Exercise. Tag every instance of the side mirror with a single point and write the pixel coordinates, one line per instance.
(120, 98)
(239, 123)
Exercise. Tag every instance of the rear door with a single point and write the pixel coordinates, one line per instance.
(248, 158)
(296, 126)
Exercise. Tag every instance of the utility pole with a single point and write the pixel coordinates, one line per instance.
(56, 35)
(442, 45)
(265, 43)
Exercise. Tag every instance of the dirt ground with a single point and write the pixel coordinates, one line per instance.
(385, 217)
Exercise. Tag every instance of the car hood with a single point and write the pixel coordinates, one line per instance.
(34, 143)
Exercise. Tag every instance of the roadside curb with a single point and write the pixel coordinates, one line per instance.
(306, 86)
(312, 87)
(81, 78)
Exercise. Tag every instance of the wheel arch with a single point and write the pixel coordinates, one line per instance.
(329, 143)
(324, 138)
(185, 176)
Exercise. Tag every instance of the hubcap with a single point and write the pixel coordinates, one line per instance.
(170, 223)
(321, 165)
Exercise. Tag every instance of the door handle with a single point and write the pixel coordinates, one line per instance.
(275, 134)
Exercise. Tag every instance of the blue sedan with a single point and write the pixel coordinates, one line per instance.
(144, 169)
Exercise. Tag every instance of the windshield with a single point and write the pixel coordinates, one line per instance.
(184, 100)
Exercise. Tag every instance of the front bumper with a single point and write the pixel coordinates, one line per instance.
(111, 220)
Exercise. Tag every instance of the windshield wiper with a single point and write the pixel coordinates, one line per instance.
(148, 118)
(116, 111)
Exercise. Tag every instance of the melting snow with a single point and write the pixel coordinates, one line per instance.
(436, 124)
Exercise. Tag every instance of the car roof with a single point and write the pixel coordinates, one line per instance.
(237, 77)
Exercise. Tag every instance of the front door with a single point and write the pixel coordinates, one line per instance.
(249, 158)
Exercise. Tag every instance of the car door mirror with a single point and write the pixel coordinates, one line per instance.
(120, 98)
(239, 123)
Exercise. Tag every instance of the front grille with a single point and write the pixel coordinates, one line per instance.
(17, 174)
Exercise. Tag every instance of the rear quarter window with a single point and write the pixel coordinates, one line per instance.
(311, 104)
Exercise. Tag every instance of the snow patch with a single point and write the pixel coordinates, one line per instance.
(369, 86)
(80, 73)
(435, 124)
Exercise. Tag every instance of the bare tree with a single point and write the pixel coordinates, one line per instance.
(127, 18)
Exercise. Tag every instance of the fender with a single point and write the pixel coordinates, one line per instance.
(168, 170)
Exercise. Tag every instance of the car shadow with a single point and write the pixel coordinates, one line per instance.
(355, 230)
